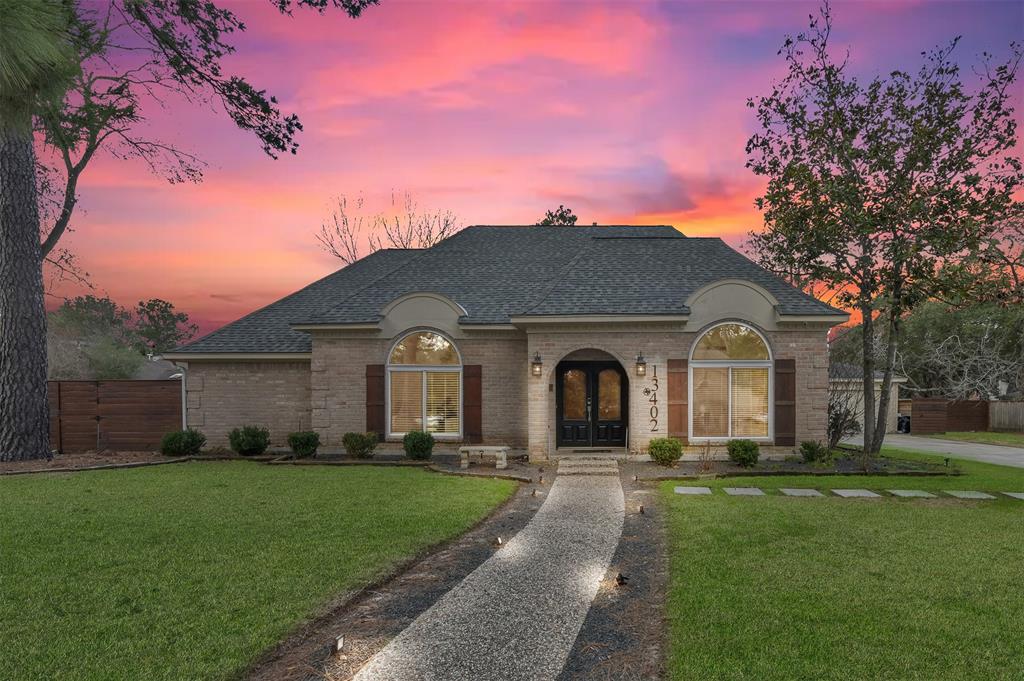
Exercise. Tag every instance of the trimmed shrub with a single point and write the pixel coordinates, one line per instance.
(182, 442)
(418, 445)
(814, 452)
(249, 440)
(304, 443)
(359, 445)
(743, 452)
(665, 450)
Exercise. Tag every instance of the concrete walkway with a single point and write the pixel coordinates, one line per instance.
(997, 454)
(516, 616)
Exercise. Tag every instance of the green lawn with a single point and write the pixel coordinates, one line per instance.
(190, 571)
(797, 588)
(985, 438)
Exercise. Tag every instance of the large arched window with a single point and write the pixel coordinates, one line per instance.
(730, 384)
(424, 386)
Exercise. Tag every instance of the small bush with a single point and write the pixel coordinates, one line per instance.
(182, 443)
(665, 450)
(418, 445)
(359, 445)
(814, 452)
(304, 442)
(249, 440)
(743, 452)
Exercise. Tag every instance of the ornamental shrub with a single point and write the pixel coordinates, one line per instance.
(304, 443)
(182, 442)
(814, 452)
(743, 452)
(249, 440)
(665, 450)
(418, 445)
(359, 445)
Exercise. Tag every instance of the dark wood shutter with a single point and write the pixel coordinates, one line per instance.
(472, 403)
(785, 402)
(375, 400)
(678, 398)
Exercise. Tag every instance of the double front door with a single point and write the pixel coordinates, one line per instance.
(592, 404)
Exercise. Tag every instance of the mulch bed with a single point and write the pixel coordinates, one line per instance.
(622, 638)
(846, 465)
(370, 618)
(82, 460)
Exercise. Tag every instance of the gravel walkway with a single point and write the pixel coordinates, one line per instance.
(517, 615)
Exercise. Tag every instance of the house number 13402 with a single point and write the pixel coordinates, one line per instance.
(651, 393)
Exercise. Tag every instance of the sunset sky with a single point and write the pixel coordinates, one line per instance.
(626, 112)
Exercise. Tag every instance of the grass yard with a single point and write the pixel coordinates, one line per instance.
(826, 588)
(985, 438)
(190, 571)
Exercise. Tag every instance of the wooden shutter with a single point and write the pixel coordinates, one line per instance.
(678, 396)
(785, 402)
(472, 403)
(375, 400)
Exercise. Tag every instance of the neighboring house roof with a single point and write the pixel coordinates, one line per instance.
(842, 371)
(499, 272)
(156, 370)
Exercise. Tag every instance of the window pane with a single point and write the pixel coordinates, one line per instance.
(424, 347)
(609, 395)
(750, 402)
(443, 402)
(710, 402)
(406, 401)
(574, 395)
(730, 341)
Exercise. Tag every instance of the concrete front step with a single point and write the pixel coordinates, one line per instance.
(588, 466)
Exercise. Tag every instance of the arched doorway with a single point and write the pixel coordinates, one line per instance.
(591, 401)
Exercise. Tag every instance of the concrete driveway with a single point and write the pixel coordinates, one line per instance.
(998, 454)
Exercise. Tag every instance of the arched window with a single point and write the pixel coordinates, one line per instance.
(424, 386)
(730, 384)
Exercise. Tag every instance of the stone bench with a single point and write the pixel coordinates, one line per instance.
(478, 452)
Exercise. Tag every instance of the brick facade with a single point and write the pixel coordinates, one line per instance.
(328, 392)
(222, 395)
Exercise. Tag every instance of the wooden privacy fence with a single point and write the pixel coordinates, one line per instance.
(937, 415)
(1006, 416)
(112, 415)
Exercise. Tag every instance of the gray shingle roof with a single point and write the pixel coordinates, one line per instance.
(497, 272)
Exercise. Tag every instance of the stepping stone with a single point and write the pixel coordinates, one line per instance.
(693, 490)
(1015, 495)
(856, 493)
(967, 494)
(915, 493)
(800, 492)
(743, 491)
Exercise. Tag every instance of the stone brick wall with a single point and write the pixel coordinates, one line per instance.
(221, 396)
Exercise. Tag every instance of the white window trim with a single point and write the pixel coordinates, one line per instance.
(424, 369)
(730, 364)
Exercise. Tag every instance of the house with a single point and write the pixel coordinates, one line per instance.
(541, 338)
(847, 380)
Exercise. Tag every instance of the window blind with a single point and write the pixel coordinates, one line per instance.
(710, 402)
(443, 401)
(750, 402)
(406, 401)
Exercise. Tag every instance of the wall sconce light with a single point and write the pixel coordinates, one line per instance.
(536, 366)
(641, 365)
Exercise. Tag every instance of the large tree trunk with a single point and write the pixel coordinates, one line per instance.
(883, 398)
(24, 412)
(868, 375)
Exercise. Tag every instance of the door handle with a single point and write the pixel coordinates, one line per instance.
(588, 408)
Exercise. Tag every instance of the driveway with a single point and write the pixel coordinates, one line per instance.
(998, 454)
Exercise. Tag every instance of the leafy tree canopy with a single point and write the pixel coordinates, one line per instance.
(560, 216)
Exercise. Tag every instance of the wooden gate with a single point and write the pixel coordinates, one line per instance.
(112, 415)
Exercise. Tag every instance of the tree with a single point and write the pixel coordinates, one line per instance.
(36, 64)
(886, 190)
(159, 328)
(560, 216)
(79, 74)
(350, 234)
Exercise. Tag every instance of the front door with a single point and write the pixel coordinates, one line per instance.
(592, 404)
